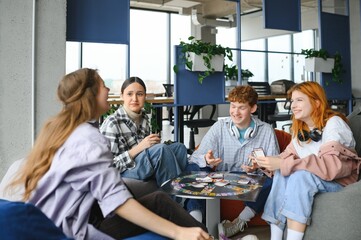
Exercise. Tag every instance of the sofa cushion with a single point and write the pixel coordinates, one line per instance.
(25, 221)
(147, 236)
(336, 215)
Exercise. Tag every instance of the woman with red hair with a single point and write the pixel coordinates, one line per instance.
(320, 158)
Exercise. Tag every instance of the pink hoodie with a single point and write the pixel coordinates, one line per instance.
(333, 162)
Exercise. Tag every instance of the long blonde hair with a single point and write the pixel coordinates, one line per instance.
(320, 114)
(77, 91)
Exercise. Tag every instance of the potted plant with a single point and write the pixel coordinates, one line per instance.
(149, 109)
(246, 74)
(207, 52)
(321, 61)
(230, 75)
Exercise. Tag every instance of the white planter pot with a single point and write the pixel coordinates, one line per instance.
(198, 63)
(230, 83)
(319, 65)
(244, 81)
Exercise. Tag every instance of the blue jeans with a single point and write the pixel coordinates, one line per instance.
(292, 197)
(257, 206)
(161, 161)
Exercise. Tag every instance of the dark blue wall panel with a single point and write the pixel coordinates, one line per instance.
(188, 91)
(101, 21)
(335, 37)
(282, 14)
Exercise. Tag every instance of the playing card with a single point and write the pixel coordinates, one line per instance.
(221, 183)
(205, 179)
(215, 175)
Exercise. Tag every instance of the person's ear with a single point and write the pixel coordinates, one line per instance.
(318, 103)
(254, 108)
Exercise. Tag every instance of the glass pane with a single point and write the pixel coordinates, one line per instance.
(227, 37)
(149, 48)
(254, 61)
(280, 43)
(180, 31)
(279, 64)
(258, 44)
(110, 60)
(302, 40)
(72, 60)
(279, 67)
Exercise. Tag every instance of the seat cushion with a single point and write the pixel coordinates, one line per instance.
(336, 215)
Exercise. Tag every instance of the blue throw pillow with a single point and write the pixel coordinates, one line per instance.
(24, 221)
(147, 236)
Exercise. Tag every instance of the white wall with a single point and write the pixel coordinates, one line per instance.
(16, 68)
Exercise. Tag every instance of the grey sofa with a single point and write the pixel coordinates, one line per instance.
(337, 216)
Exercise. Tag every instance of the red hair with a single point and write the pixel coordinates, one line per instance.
(321, 110)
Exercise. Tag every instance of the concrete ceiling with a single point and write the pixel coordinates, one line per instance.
(208, 8)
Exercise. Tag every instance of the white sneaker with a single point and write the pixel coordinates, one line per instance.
(249, 237)
(227, 228)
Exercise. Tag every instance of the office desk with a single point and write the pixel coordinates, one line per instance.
(263, 100)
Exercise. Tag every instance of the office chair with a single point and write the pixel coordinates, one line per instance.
(283, 116)
(195, 121)
(264, 109)
(169, 90)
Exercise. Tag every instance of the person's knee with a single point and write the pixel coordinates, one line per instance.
(180, 148)
(301, 174)
(193, 167)
(161, 197)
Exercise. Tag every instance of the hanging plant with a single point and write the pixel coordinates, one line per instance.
(204, 49)
(337, 68)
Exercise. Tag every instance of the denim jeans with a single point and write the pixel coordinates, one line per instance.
(161, 161)
(292, 197)
(198, 204)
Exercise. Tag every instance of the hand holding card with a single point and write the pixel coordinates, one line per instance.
(258, 152)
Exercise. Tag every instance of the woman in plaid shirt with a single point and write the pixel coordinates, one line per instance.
(137, 153)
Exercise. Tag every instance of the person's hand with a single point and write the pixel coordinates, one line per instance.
(269, 163)
(210, 160)
(250, 168)
(149, 141)
(193, 233)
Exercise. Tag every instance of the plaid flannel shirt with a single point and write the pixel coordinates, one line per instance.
(123, 135)
(234, 153)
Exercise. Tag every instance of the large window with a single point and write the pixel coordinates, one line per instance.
(149, 47)
(303, 40)
(255, 61)
(180, 31)
(279, 64)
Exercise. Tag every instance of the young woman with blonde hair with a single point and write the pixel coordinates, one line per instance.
(68, 174)
(320, 158)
